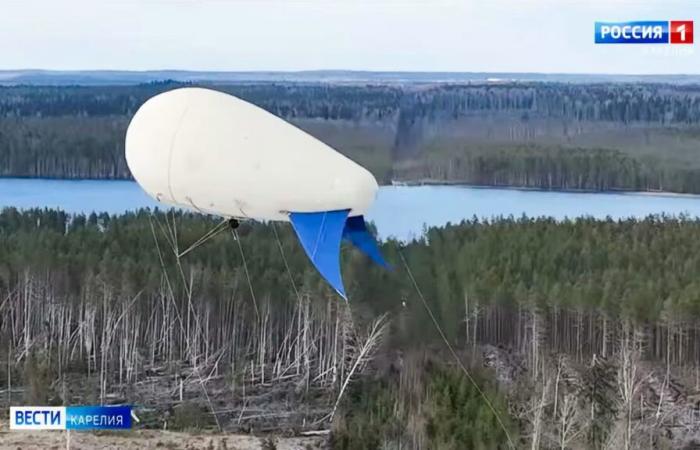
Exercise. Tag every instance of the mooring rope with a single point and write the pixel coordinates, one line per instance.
(208, 235)
(245, 268)
(190, 352)
(284, 258)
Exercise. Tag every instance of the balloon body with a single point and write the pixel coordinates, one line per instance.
(212, 152)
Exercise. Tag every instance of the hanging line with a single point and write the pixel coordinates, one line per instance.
(454, 353)
(245, 268)
(222, 226)
(172, 299)
(284, 258)
(208, 235)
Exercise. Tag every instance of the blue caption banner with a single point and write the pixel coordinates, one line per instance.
(98, 417)
(70, 417)
(640, 32)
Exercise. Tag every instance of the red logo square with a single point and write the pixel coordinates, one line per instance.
(681, 32)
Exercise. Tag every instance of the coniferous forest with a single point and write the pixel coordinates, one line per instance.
(580, 333)
(550, 334)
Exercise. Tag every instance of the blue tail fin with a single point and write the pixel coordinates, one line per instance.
(320, 234)
(356, 232)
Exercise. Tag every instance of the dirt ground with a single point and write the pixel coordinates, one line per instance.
(150, 439)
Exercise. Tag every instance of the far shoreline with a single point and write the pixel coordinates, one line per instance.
(617, 191)
(428, 183)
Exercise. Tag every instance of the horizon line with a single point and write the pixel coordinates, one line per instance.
(283, 71)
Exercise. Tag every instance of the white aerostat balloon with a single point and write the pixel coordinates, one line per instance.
(215, 153)
(208, 150)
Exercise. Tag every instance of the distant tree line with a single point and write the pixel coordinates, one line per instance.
(78, 131)
(551, 167)
(623, 103)
(598, 102)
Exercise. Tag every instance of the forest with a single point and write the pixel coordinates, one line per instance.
(582, 334)
(578, 136)
(550, 334)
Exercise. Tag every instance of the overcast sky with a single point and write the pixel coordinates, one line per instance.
(395, 35)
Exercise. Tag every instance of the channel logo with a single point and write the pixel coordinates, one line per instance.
(645, 32)
(70, 417)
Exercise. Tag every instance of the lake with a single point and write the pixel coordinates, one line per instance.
(400, 211)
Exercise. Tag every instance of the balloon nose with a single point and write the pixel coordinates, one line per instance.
(357, 188)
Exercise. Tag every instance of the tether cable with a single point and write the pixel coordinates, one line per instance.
(284, 258)
(208, 235)
(247, 274)
(454, 353)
